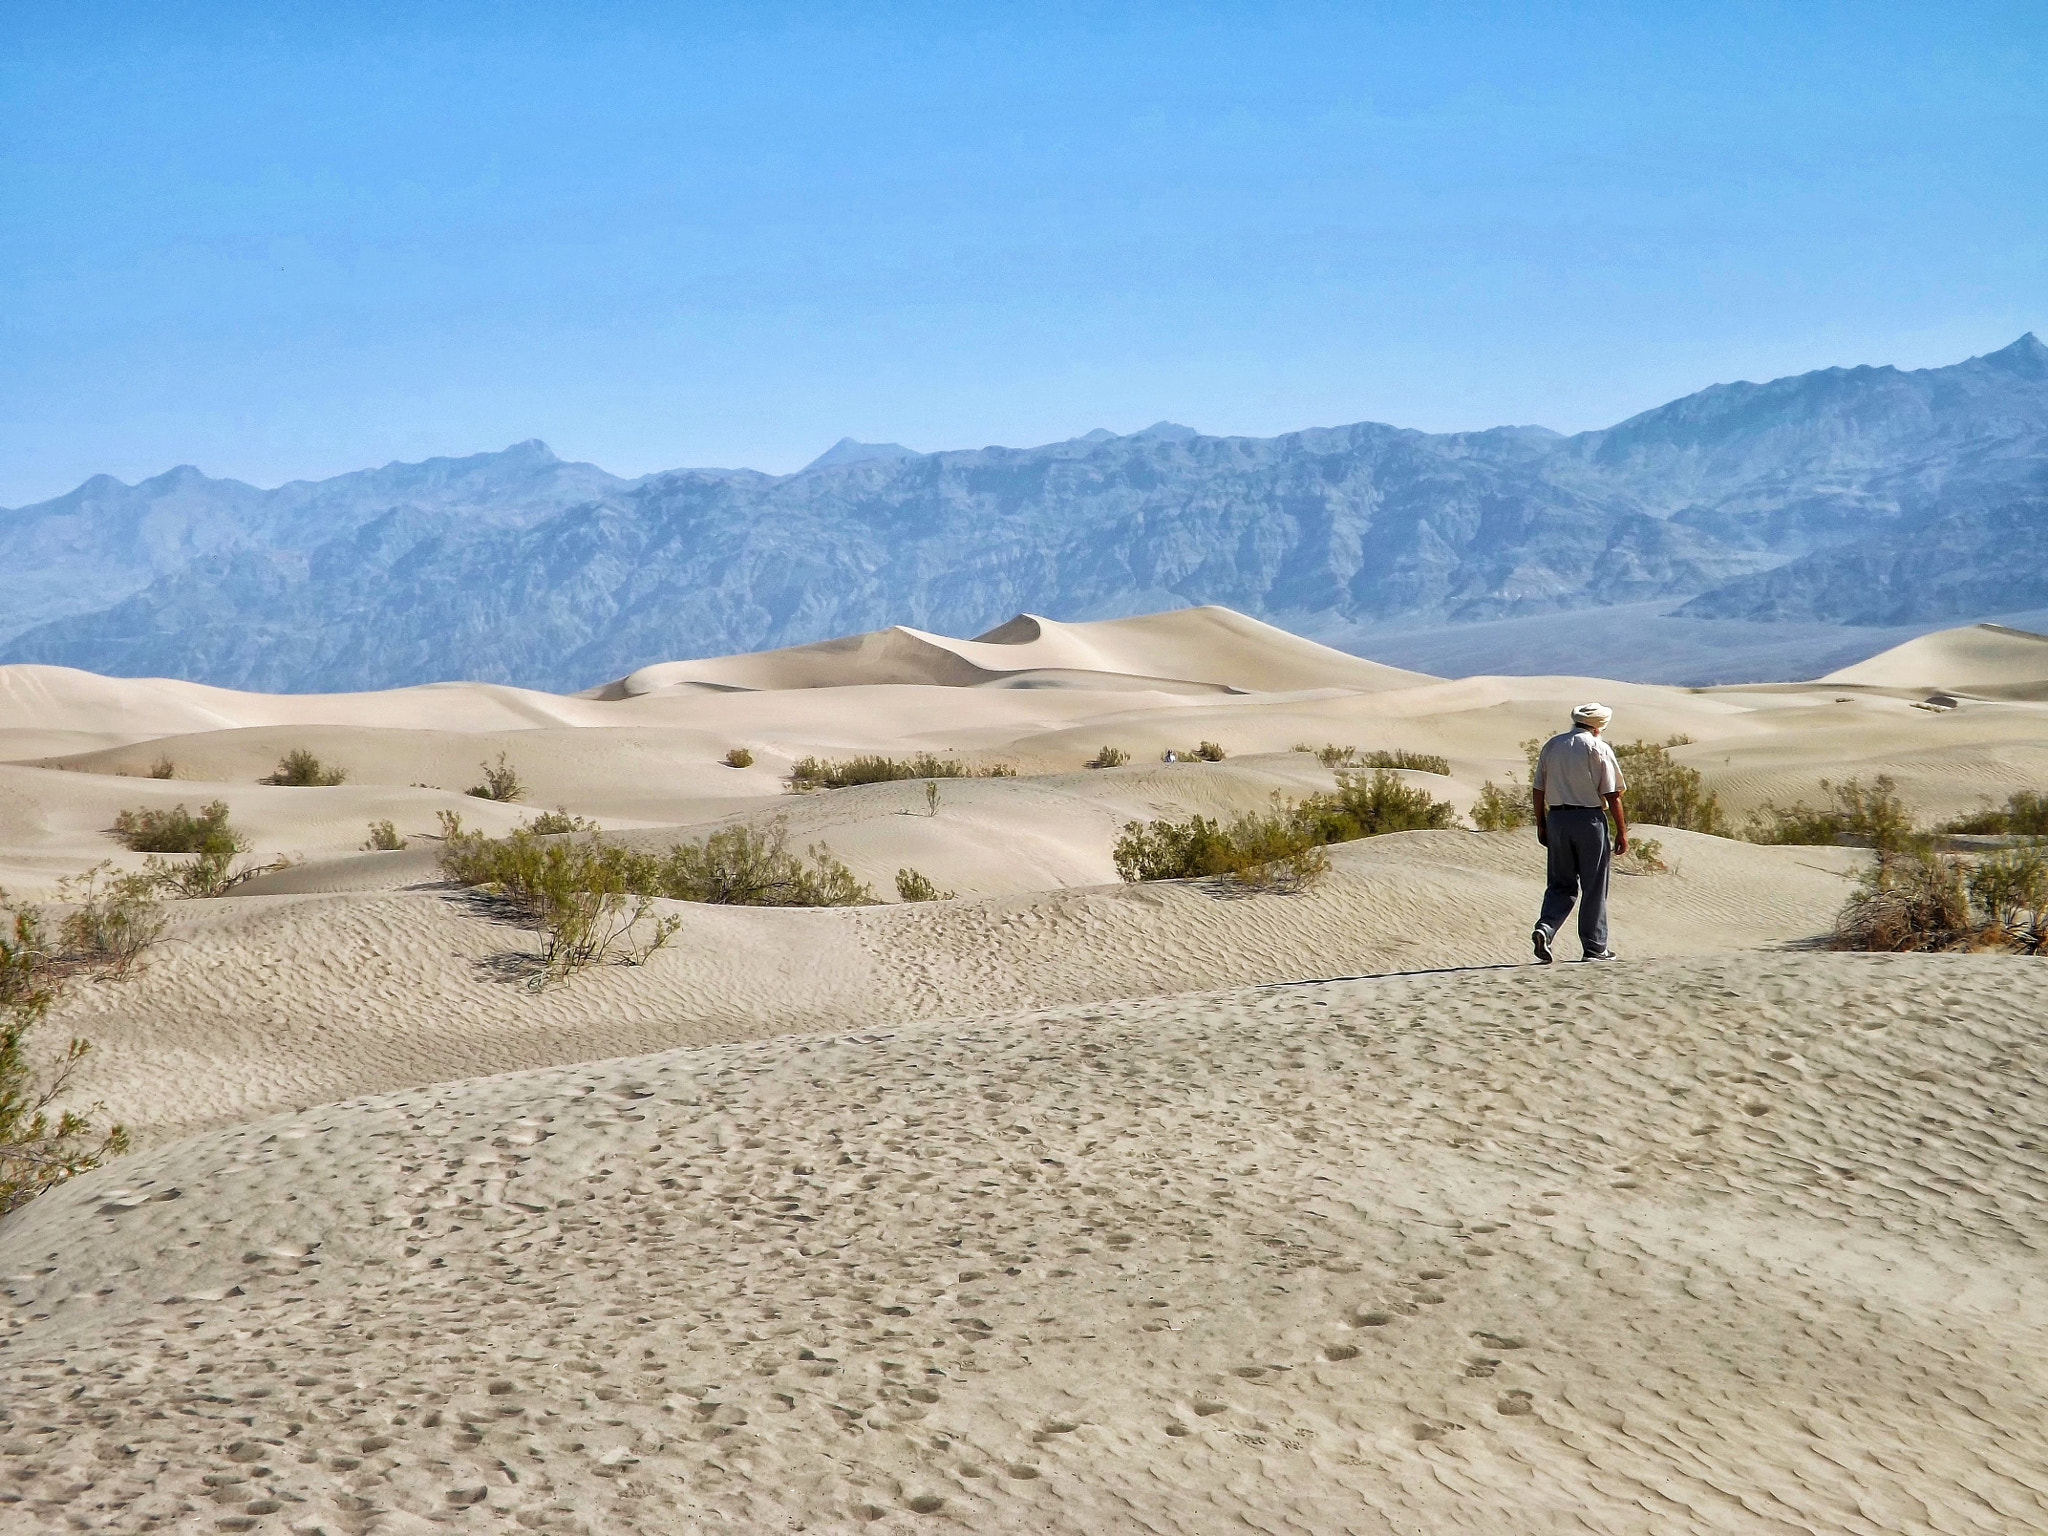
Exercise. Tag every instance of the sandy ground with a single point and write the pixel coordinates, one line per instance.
(1059, 1206)
(1745, 1243)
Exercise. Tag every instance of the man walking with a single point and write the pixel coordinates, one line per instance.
(1577, 785)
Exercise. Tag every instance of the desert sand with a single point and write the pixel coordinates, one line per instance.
(1061, 1205)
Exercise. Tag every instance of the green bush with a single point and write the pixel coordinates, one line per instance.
(1502, 810)
(1330, 755)
(1206, 752)
(1271, 852)
(1400, 757)
(2011, 888)
(1666, 793)
(1370, 805)
(2025, 812)
(554, 823)
(300, 769)
(501, 782)
(1871, 812)
(734, 866)
(738, 757)
(912, 886)
(114, 918)
(1283, 848)
(163, 768)
(38, 1150)
(176, 830)
(1108, 757)
(383, 838)
(811, 773)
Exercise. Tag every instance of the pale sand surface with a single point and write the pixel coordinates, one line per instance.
(1747, 1243)
(1763, 1223)
(268, 1003)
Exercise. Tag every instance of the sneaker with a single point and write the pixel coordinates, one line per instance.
(1540, 938)
(1601, 954)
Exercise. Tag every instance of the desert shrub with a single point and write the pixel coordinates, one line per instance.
(1665, 792)
(2011, 888)
(734, 866)
(300, 769)
(1365, 805)
(1259, 852)
(501, 782)
(176, 830)
(38, 1149)
(1400, 757)
(2025, 812)
(217, 845)
(1912, 899)
(1330, 755)
(383, 838)
(213, 873)
(1502, 810)
(1645, 856)
(738, 757)
(811, 773)
(1207, 752)
(1108, 757)
(553, 823)
(1169, 850)
(1283, 846)
(163, 768)
(912, 886)
(743, 866)
(113, 919)
(1872, 812)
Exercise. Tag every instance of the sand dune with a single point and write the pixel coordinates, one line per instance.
(1062, 1205)
(1211, 647)
(1987, 659)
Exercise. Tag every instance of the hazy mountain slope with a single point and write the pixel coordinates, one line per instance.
(1981, 559)
(97, 544)
(502, 571)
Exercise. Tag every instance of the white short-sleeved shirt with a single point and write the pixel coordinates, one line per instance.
(1577, 768)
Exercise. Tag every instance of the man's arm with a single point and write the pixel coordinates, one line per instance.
(1536, 799)
(1620, 822)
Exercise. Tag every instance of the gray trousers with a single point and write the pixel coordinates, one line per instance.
(1581, 857)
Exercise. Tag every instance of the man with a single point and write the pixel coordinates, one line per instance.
(1576, 787)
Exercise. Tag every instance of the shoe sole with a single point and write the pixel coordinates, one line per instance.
(1541, 941)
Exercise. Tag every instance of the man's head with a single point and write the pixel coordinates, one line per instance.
(1593, 717)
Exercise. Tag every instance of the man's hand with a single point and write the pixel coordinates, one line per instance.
(1620, 824)
(1542, 832)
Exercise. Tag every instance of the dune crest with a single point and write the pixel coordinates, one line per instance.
(1210, 647)
(1991, 660)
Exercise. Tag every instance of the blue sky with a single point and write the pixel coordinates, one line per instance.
(286, 241)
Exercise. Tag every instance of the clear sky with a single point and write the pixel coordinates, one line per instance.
(288, 240)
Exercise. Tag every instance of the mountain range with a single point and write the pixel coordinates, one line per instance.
(1868, 496)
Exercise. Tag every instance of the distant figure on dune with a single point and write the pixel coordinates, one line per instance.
(1577, 785)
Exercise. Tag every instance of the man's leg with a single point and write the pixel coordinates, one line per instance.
(1596, 864)
(1562, 871)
